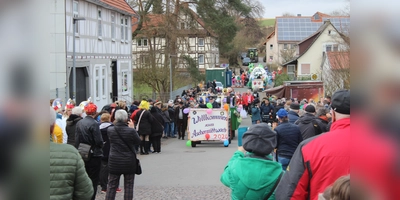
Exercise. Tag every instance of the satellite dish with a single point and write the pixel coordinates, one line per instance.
(314, 77)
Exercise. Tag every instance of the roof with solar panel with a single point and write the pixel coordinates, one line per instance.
(298, 28)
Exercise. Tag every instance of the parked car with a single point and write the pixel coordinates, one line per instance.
(243, 55)
(219, 87)
(246, 61)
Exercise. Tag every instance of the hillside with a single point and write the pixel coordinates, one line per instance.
(266, 22)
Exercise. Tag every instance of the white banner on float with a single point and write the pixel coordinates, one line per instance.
(204, 124)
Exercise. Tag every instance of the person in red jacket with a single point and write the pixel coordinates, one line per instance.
(247, 99)
(319, 161)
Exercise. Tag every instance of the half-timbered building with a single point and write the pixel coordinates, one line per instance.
(193, 38)
(103, 49)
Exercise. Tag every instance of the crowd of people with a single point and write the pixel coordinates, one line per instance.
(299, 157)
(120, 131)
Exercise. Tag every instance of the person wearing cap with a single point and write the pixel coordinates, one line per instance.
(201, 103)
(293, 114)
(88, 132)
(308, 123)
(289, 137)
(72, 120)
(255, 112)
(251, 173)
(319, 161)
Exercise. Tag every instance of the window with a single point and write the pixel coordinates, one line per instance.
(201, 59)
(126, 29)
(183, 25)
(291, 71)
(316, 17)
(103, 82)
(201, 41)
(97, 83)
(99, 27)
(331, 47)
(329, 32)
(122, 28)
(124, 81)
(305, 69)
(285, 46)
(113, 26)
(271, 46)
(271, 58)
(76, 14)
(141, 41)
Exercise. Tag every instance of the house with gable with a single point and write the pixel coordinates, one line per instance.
(312, 52)
(103, 50)
(194, 39)
(336, 71)
(282, 44)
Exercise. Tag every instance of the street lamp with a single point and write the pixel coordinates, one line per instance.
(74, 20)
(170, 76)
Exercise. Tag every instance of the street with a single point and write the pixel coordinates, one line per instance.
(182, 172)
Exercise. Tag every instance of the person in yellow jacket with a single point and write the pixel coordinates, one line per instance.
(57, 135)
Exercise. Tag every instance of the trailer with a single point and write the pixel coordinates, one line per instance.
(299, 89)
(208, 125)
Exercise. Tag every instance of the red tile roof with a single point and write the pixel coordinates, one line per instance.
(339, 59)
(120, 4)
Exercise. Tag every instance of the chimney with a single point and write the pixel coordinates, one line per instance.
(298, 15)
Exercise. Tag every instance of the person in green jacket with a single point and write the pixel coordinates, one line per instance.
(251, 173)
(68, 178)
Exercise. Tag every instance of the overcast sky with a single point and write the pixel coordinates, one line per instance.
(275, 8)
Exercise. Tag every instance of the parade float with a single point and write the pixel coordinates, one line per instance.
(259, 77)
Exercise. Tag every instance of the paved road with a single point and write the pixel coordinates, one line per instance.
(182, 172)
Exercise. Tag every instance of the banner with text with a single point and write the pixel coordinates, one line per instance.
(206, 125)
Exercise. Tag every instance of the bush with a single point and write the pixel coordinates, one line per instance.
(280, 78)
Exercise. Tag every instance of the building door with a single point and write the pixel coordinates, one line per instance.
(82, 76)
(114, 81)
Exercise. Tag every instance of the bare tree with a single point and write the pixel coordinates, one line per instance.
(288, 55)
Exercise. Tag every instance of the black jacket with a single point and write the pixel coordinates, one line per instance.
(121, 158)
(106, 148)
(171, 112)
(202, 105)
(309, 126)
(292, 116)
(157, 128)
(88, 132)
(70, 128)
(185, 116)
(216, 105)
(145, 122)
(323, 124)
(266, 109)
(288, 138)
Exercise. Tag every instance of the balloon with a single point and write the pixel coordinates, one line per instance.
(209, 111)
(189, 143)
(226, 107)
(224, 100)
(209, 105)
(186, 110)
(207, 136)
(226, 143)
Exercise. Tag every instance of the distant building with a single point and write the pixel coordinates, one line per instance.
(290, 30)
(103, 49)
(312, 52)
(194, 39)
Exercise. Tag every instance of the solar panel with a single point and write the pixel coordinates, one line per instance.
(297, 29)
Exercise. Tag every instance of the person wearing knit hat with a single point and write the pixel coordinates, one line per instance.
(251, 173)
(293, 114)
(308, 123)
(88, 132)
